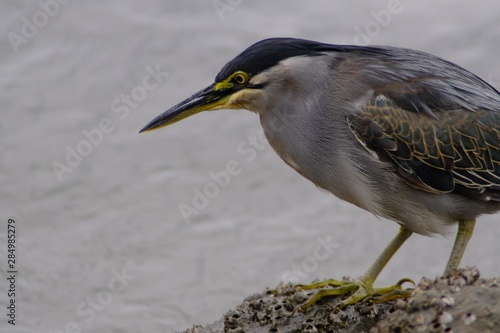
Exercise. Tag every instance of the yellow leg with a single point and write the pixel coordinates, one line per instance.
(363, 287)
(373, 272)
(465, 230)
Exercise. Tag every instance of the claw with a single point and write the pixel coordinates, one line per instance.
(404, 280)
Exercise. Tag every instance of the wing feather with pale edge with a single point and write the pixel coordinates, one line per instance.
(438, 151)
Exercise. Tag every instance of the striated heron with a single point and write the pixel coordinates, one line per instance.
(400, 133)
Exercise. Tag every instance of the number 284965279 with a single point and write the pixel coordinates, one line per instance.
(11, 244)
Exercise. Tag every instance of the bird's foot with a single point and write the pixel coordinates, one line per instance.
(361, 289)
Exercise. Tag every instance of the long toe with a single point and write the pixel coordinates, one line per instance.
(359, 290)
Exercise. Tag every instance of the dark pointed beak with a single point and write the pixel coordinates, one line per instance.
(204, 100)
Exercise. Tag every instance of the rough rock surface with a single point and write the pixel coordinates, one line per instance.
(459, 303)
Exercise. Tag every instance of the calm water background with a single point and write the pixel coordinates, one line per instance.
(116, 211)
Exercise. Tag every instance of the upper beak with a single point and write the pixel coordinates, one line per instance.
(203, 100)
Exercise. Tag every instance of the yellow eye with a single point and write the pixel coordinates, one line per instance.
(240, 77)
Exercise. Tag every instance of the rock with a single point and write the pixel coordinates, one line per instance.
(459, 303)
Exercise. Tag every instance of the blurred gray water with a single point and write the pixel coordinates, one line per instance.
(102, 242)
